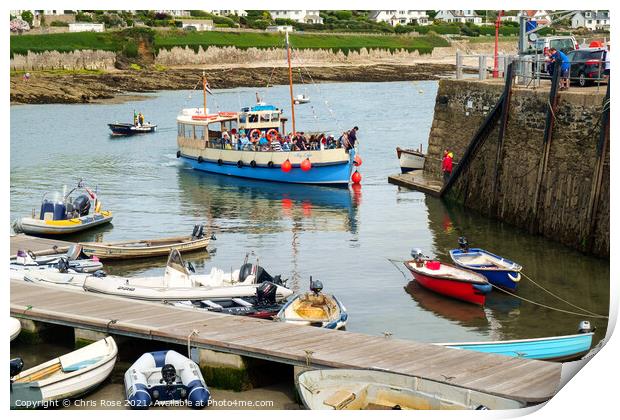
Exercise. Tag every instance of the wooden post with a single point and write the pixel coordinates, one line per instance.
(544, 159)
(482, 67)
(459, 65)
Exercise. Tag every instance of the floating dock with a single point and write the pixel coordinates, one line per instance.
(416, 180)
(526, 380)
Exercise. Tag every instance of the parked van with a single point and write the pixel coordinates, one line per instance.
(565, 44)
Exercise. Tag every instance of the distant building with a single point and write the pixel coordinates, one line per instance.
(227, 12)
(279, 28)
(175, 13)
(458, 16)
(400, 17)
(540, 16)
(591, 19)
(199, 24)
(86, 27)
(301, 16)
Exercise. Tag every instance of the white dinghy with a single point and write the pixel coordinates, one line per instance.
(178, 285)
(359, 389)
(68, 376)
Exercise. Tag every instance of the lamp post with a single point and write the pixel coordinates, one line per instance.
(495, 56)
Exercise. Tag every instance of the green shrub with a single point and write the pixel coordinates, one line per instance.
(59, 23)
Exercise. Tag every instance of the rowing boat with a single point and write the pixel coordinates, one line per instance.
(147, 247)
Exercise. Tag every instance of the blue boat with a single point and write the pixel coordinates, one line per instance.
(500, 271)
(128, 129)
(561, 348)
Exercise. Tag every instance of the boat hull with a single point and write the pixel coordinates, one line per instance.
(466, 291)
(410, 160)
(507, 279)
(359, 389)
(150, 248)
(337, 174)
(36, 227)
(127, 129)
(562, 348)
(15, 327)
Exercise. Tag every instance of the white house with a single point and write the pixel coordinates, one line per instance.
(591, 19)
(301, 16)
(86, 27)
(199, 24)
(175, 13)
(458, 16)
(400, 17)
(227, 12)
(541, 17)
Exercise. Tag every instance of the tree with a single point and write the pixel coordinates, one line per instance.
(28, 17)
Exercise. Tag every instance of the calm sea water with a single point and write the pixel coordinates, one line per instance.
(342, 237)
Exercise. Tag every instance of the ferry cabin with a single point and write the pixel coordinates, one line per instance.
(200, 143)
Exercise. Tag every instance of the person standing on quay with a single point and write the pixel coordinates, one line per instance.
(446, 165)
(607, 56)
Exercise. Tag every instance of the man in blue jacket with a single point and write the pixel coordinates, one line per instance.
(559, 56)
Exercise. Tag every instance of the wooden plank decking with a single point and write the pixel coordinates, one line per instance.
(417, 181)
(40, 246)
(522, 379)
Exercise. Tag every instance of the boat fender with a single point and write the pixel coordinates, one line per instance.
(270, 164)
(253, 164)
(178, 154)
(240, 164)
(200, 159)
(220, 162)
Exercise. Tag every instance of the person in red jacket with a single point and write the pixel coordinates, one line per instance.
(446, 165)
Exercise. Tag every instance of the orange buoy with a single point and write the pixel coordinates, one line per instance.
(306, 165)
(357, 161)
(356, 177)
(286, 166)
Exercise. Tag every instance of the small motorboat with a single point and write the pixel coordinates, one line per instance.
(65, 215)
(499, 271)
(360, 389)
(15, 327)
(264, 305)
(314, 308)
(129, 129)
(178, 285)
(301, 99)
(562, 348)
(410, 159)
(165, 376)
(26, 260)
(148, 247)
(68, 376)
(448, 280)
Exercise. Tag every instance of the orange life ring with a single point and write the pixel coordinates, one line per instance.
(272, 133)
(255, 131)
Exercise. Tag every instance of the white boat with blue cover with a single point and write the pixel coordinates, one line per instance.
(499, 271)
(561, 348)
(165, 376)
(314, 308)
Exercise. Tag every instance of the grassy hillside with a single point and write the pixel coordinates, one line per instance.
(125, 40)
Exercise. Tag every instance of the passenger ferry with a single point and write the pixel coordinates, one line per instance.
(203, 142)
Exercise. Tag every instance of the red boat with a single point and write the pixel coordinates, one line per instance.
(451, 281)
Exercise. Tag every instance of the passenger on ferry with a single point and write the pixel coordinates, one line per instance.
(276, 146)
(227, 144)
(233, 138)
(244, 142)
(263, 143)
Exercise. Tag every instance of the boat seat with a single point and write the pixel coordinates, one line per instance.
(340, 399)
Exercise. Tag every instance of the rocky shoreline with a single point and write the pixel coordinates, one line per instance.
(52, 87)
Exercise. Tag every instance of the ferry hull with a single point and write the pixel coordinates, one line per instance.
(337, 174)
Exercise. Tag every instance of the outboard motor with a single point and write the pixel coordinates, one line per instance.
(585, 327)
(168, 374)
(17, 365)
(261, 274)
(82, 205)
(266, 293)
(463, 244)
(63, 265)
(198, 231)
(418, 257)
(315, 286)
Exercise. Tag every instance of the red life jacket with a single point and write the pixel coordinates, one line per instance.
(446, 165)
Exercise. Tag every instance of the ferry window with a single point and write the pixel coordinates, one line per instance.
(264, 118)
(199, 132)
(275, 116)
(253, 118)
(181, 130)
(189, 131)
(242, 118)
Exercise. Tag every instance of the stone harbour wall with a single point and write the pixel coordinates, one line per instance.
(566, 187)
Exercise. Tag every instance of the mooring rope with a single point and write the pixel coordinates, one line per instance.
(588, 314)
